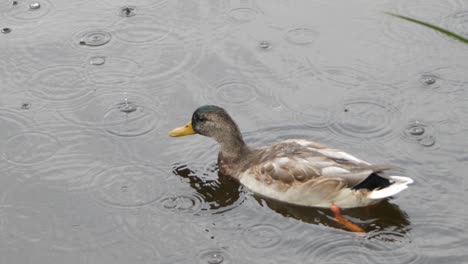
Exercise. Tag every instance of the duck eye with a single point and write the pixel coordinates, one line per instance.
(200, 119)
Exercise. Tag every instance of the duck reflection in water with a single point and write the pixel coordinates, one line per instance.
(222, 193)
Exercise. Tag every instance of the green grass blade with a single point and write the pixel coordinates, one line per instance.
(441, 30)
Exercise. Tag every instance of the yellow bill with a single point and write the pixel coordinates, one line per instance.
(182, 131)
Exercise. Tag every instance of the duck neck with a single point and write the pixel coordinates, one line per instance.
(233, 146)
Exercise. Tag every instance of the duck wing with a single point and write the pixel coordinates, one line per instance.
(299, 161)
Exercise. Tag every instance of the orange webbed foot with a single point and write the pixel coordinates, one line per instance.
(345, 222)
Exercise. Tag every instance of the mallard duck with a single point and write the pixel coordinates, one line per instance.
(295, 171)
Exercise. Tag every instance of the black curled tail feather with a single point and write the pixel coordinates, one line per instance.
(373, 182)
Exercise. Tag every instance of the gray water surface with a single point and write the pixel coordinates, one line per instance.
(89, 90)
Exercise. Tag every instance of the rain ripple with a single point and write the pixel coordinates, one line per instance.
(131, 185)
(72, 171)
(72, 157)
(301, 36)
(262, 236)
(72, 230)
(420, 132)
(185, 203)
(12, 124)
(242, 15)
(307, 98)
(346, 76)
(22, 100)
(168, 233)
(118, 252)
(30, 148)
(27, 10)
(233, 93)
(92, 38)
(103, 69)
(389, 246)
(386, 240)
(179, 50)
(450, 233)
(141, 29)
(335, 248)
(28, 224)
(445, 79)
(59, 83)
(365, 118)
(121, 114)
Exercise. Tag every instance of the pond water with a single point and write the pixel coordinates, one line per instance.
(89, 90)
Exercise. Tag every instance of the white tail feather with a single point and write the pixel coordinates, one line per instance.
(400, 183)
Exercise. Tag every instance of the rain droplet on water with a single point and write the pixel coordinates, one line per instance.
(6, 30)
(265, 45)
(128, 11)
(98, 60)
(14, 3)
(417, 130)
(25, 106)
(34, 6)
(427, 141)
(429, 79)
(170, 203)
(127, 107)
(215, 258)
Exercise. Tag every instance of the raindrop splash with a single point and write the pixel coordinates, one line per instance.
(127, 107)
(134, 117)
(182, 203)
(6, 30)
(417, 131)
(214, 256)
(98, 60)
(428, 79)
(34, 6)
(127, 11)
(264, 45)
(215, 259)
(25, 106)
